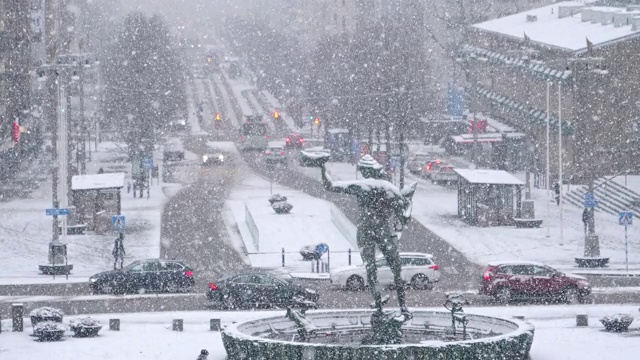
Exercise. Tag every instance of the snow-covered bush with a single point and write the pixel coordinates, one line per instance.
(276, 198)
(282, 207)
(617, 322)
(45, 313)
(85, 327)
(49, 330)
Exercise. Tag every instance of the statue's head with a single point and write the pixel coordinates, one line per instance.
(370, 168)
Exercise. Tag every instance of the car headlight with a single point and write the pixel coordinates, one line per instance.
(205, 158)
(221, 157)
(310, 291)
(92, 279)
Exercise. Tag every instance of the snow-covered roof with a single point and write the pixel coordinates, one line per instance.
(97, 181)
(578, 23)
(484, 176)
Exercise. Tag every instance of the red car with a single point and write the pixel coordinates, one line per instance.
(511, 280)
(294, 141)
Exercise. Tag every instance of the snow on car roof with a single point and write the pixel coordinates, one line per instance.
(514, 262)
(410, 254)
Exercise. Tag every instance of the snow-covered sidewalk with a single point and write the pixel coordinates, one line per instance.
(149, 335)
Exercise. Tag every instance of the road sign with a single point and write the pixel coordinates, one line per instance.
(147, 163)
(590, 201)
(625, 218)
(118, 222)
(322, 248)
(57, 212)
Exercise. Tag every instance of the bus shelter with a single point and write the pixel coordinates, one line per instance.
(488, 197)
(97, 198)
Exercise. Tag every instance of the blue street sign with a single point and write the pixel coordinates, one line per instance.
(118, 222)
(625, 218)
(590, 201)
(322, 248)
(57, 212)
(147, 163)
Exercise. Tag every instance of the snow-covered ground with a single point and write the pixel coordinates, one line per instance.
(308, 224)
(149, 335)
(27, 231)
(435, 207)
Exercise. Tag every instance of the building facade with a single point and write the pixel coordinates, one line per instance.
(508, 63)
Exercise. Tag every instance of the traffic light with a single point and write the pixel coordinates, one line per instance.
(317, 121)
(276, 115)
(16, 132)
(310, 117)
(218, 117)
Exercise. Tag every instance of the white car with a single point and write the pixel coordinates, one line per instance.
(418, 270)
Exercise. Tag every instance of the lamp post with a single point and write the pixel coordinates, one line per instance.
(560, 159)
(547, 162)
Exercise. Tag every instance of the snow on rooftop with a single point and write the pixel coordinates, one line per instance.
(571, 32)
(97, 181)
(483, 176)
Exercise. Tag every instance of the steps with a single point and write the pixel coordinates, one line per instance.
(612, 197)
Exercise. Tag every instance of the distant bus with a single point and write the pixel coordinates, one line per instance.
(254, 134)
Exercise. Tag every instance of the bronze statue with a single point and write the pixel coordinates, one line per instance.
(384, 210)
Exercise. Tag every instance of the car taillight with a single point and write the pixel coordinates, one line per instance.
(267, 152)
(487, 276)
(288, 140)
(212, 286)
(188, 273)
(428, 167)
(434, 267)
(282, 153)
(300, 140)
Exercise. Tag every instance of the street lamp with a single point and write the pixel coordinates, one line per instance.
(547, 162)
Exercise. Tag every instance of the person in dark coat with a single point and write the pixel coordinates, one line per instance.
(556, 189)
(118, 251)
(203, 355)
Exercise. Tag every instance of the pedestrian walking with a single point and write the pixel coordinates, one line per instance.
(556, 189)
(118, 251)
(203, 355)
(585, 220)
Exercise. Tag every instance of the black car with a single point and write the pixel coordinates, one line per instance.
(150, 275)
(254, 289)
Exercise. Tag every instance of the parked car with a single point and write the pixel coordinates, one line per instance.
(417, 163)
(173, 151)
(418, 270)
(275, 154)
(179, 124)
(253, 289)
(213, 159)
(511, 280)
(294, 141)
(445, 174)
(152, 274)
(430, 167)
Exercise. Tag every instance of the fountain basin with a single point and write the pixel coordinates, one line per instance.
(338, 334)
